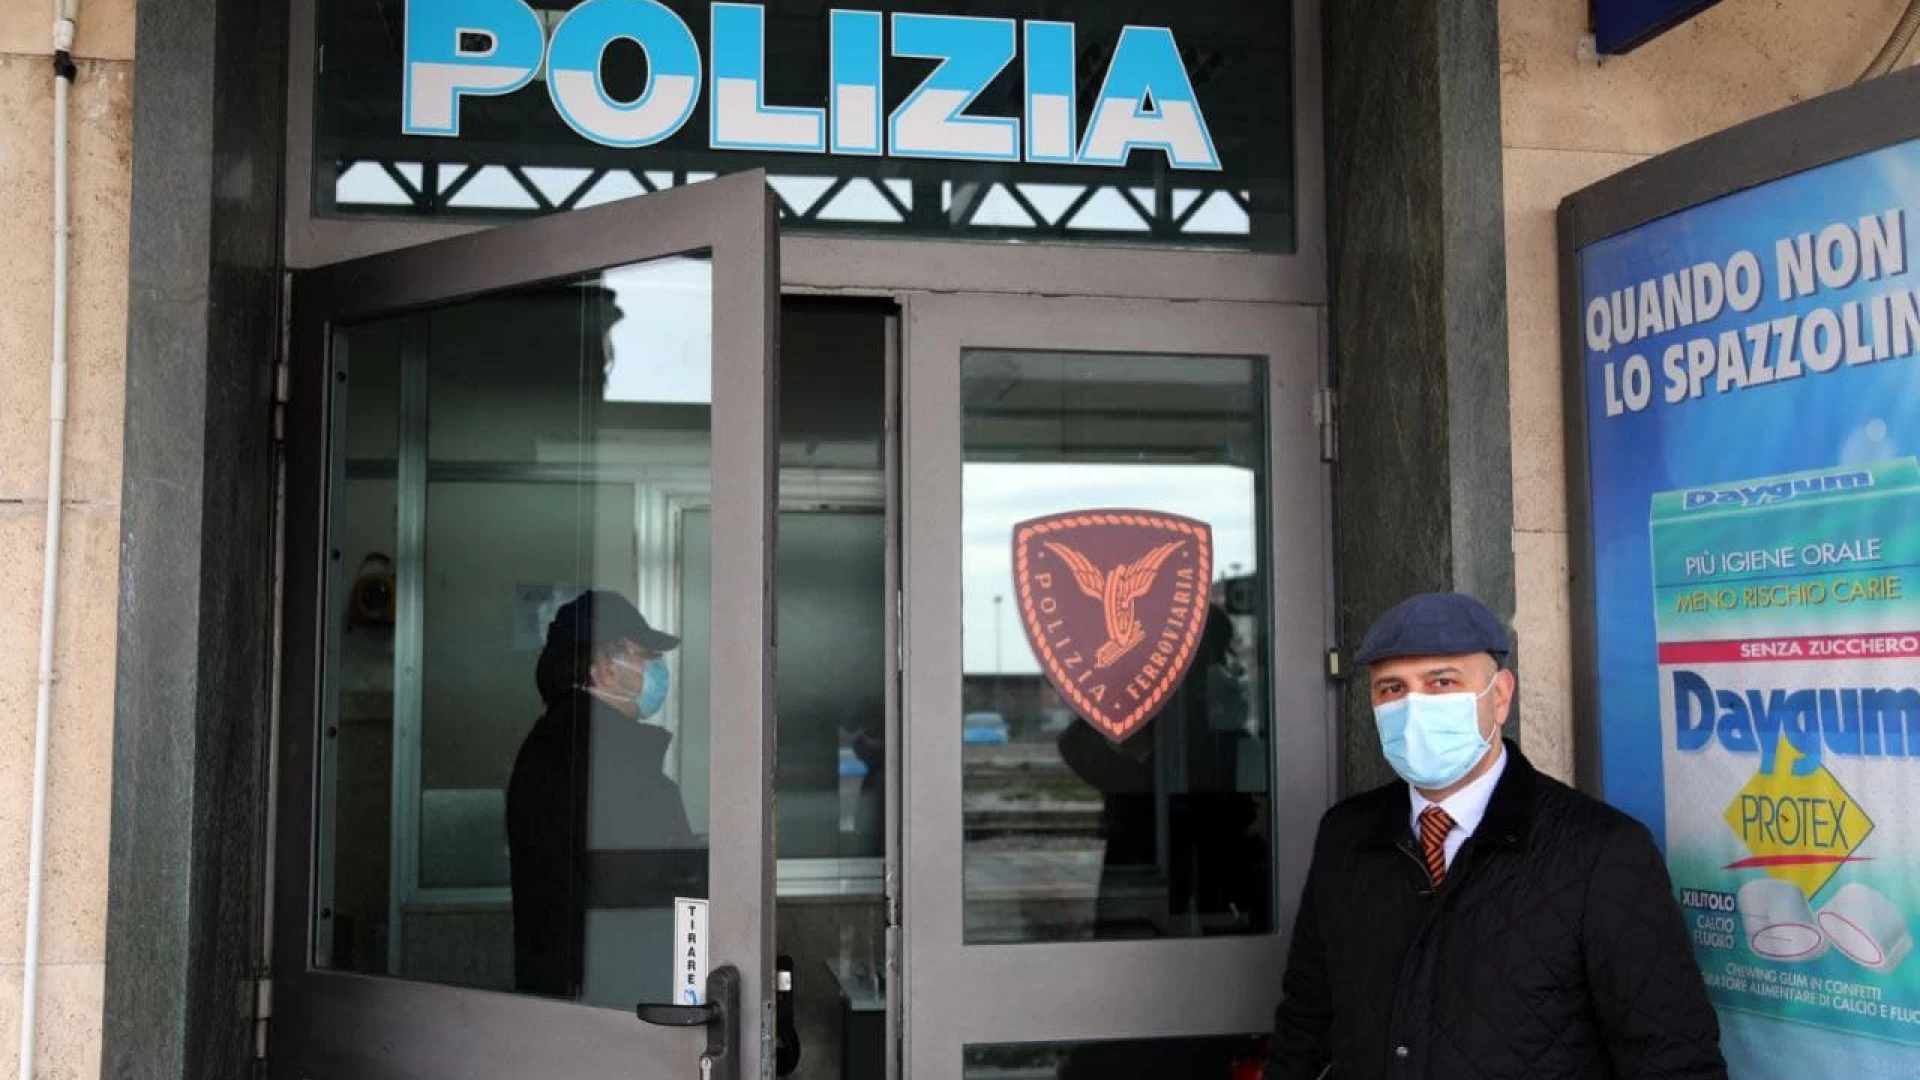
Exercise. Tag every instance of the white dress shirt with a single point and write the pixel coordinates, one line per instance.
(1466, 807)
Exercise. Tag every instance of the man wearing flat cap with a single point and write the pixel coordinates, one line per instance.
(1479, 920)
(602, 664)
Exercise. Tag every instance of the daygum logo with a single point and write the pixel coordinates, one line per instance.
(1777, 491)
(1800, 826)
(475, 48)
(1865, 722)
(1113, 602)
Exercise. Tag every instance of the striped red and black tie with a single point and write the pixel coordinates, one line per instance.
(1434, 827)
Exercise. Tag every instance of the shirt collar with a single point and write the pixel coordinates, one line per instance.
(1468, 805)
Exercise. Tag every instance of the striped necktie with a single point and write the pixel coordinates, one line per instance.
(1434, 827)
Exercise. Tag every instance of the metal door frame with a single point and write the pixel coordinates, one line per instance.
(331, 1024)
(958, 994)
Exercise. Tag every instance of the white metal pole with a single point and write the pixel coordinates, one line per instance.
(65, 14)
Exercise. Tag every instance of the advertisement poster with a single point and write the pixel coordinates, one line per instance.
(1752, 375)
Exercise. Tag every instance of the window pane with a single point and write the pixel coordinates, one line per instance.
(831, 687)
(515, 154)
(1159, 829)
(832, 683)
(514, 781)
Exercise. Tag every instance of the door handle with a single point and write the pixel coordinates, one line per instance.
(679, 1015)
(720, 1016)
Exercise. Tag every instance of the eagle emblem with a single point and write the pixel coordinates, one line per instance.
(1116, 592)
(1113, 602)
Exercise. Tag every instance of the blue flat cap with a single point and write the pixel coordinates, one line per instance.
(1435, 624)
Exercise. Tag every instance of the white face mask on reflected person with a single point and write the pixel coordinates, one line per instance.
(1432, 740)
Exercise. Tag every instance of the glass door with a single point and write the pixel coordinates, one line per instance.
(526, 738)
(1117, 609)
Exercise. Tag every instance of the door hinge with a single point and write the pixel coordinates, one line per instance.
(899, 630)
(282, 366)
(892, 888)
(1336, 666)
(1326, 414)
(282, 392)
(262, 1015)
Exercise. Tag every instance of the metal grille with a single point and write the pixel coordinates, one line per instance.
(1042, 209)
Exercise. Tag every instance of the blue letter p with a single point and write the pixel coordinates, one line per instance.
(459, 47)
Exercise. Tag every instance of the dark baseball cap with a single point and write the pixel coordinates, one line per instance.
(1435, 624)
(595, 618)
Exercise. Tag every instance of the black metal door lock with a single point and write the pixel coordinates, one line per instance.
(786, 1045)
(720, 1015)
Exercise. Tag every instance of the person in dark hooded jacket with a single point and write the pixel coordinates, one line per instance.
(602, 661)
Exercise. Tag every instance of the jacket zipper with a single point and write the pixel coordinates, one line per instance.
(1403, 849)
(1435, 895)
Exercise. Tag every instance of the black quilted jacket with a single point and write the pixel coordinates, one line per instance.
(1554, 949)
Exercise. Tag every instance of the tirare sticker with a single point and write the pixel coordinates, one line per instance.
(690, 960)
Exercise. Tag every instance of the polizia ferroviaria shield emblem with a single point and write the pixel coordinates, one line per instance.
(1113, 602)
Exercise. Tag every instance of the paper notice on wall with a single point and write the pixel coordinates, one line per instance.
(690, 952)
(534, 606)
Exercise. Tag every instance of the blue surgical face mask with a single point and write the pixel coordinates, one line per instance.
(1432, 740)
(654, 679)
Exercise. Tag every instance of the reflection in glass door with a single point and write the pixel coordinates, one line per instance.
(502, 814)
(496, 777)
(1114, 698)
(1072, 835)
